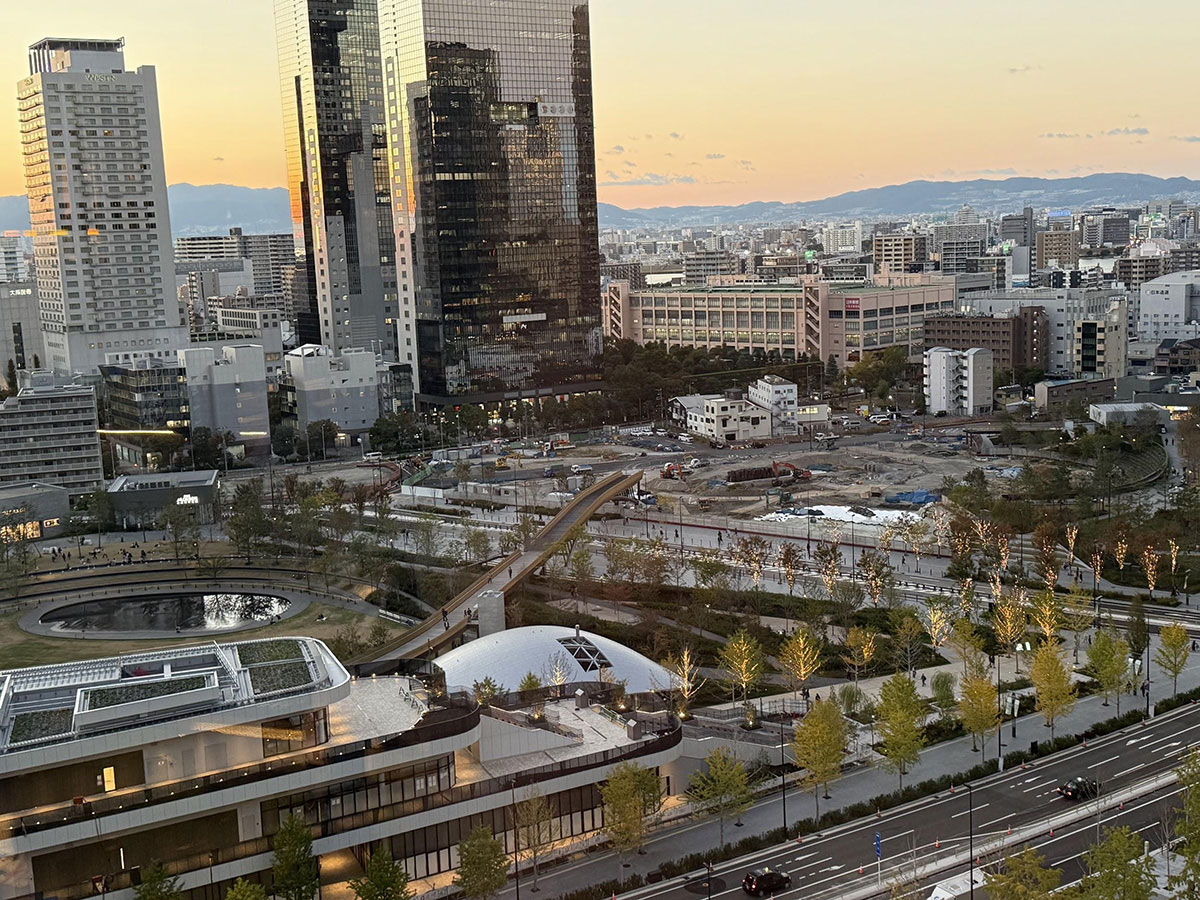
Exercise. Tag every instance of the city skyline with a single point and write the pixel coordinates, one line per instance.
(687, 113)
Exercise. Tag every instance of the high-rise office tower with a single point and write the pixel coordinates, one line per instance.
(97, 191)
(345, 291)
(493, 161)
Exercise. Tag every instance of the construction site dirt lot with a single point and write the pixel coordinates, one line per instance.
(858, 475)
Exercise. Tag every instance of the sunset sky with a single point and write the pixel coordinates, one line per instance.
(706, 101)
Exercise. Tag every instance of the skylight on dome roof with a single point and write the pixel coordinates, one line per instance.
(585, 653)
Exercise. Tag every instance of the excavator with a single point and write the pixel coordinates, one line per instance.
(672, 470)
(796, 474)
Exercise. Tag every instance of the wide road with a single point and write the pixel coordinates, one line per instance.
(937, 828)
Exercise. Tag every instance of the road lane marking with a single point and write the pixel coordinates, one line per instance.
(805, 856)
(1001, 819)
(1104, 762)
(1127, 771)
(1036, 786)
(817, 862)
(966, 811)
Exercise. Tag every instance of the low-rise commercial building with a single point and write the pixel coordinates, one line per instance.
(779, 397)
(958, 382)
(139, 500)
(48, 433)
(860, 320)
(1125, 413)
(724, 417)
(1177, 357)
(20, 328)
(33, 510)
(194, 756)
(1054, 396)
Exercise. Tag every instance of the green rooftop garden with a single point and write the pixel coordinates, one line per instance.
(146, 690)
(267, 679)
(269, 651)
(40, 724)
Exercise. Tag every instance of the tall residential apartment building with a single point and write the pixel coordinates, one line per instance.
(700, 266)
(1065, 307)
(13, 264)
(492, 154)
(1058, 247)
(1018, 340)
(269, 254)
(97, 190)
(844, 238)
(899, 252)
(48, 434)
(958, 382)
(958, 243)
(346, 290)
(1018, 230)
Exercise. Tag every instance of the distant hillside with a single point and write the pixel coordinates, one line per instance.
(215, 208)
(196, 210)
(916, 197)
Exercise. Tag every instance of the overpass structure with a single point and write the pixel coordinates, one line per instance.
(482, 601)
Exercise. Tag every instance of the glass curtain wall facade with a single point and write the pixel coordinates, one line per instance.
(345, 290)
(492, 156)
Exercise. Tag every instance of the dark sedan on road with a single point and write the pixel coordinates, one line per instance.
(1080, 788)
(760, 882)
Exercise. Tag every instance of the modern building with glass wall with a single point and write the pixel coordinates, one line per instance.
(345, 291)
(492, 156)
(193, 756)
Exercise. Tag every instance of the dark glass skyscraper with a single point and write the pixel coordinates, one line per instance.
(489, 108)
(345, 292)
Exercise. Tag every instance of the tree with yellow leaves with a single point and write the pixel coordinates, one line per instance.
(1173, 652)
(1008, 623)
(978, 706)
(861, 645)
(1052, 682)
(800, 658)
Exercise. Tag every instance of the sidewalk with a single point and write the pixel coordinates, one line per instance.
(860, 785)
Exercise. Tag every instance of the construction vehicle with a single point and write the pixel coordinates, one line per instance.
(797, 474)
(672, 470)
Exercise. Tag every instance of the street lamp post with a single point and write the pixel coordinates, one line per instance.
(971, 837)
(516, 841)
(783, 775)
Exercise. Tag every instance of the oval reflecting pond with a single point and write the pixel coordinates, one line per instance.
(169, 614)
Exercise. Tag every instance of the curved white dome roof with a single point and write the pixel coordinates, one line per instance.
(509, 655)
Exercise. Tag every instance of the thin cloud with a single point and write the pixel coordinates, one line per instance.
(615, 151)
(218, 159)
(1021, 70)
(746, 164)
(714, 156)
(630, 164)
(1187, 138)
(1060, 135)
(650, 179)
(1123, 132)
(1009, 171)
(676, 136)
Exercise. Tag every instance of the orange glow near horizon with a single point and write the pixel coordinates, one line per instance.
(701, 102)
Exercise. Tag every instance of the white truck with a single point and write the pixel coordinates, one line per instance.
(958, 887)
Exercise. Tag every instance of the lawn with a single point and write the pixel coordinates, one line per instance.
(19, 649)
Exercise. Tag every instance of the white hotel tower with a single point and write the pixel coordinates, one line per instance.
(93, 156)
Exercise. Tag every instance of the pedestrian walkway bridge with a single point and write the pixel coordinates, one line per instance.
(484, 597)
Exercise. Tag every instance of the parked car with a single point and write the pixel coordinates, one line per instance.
(760, 882)
(1080, 788)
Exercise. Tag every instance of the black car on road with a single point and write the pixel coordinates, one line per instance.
(1080, 788)
(760, 882)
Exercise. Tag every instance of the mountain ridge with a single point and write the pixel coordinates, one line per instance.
(215, 208)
